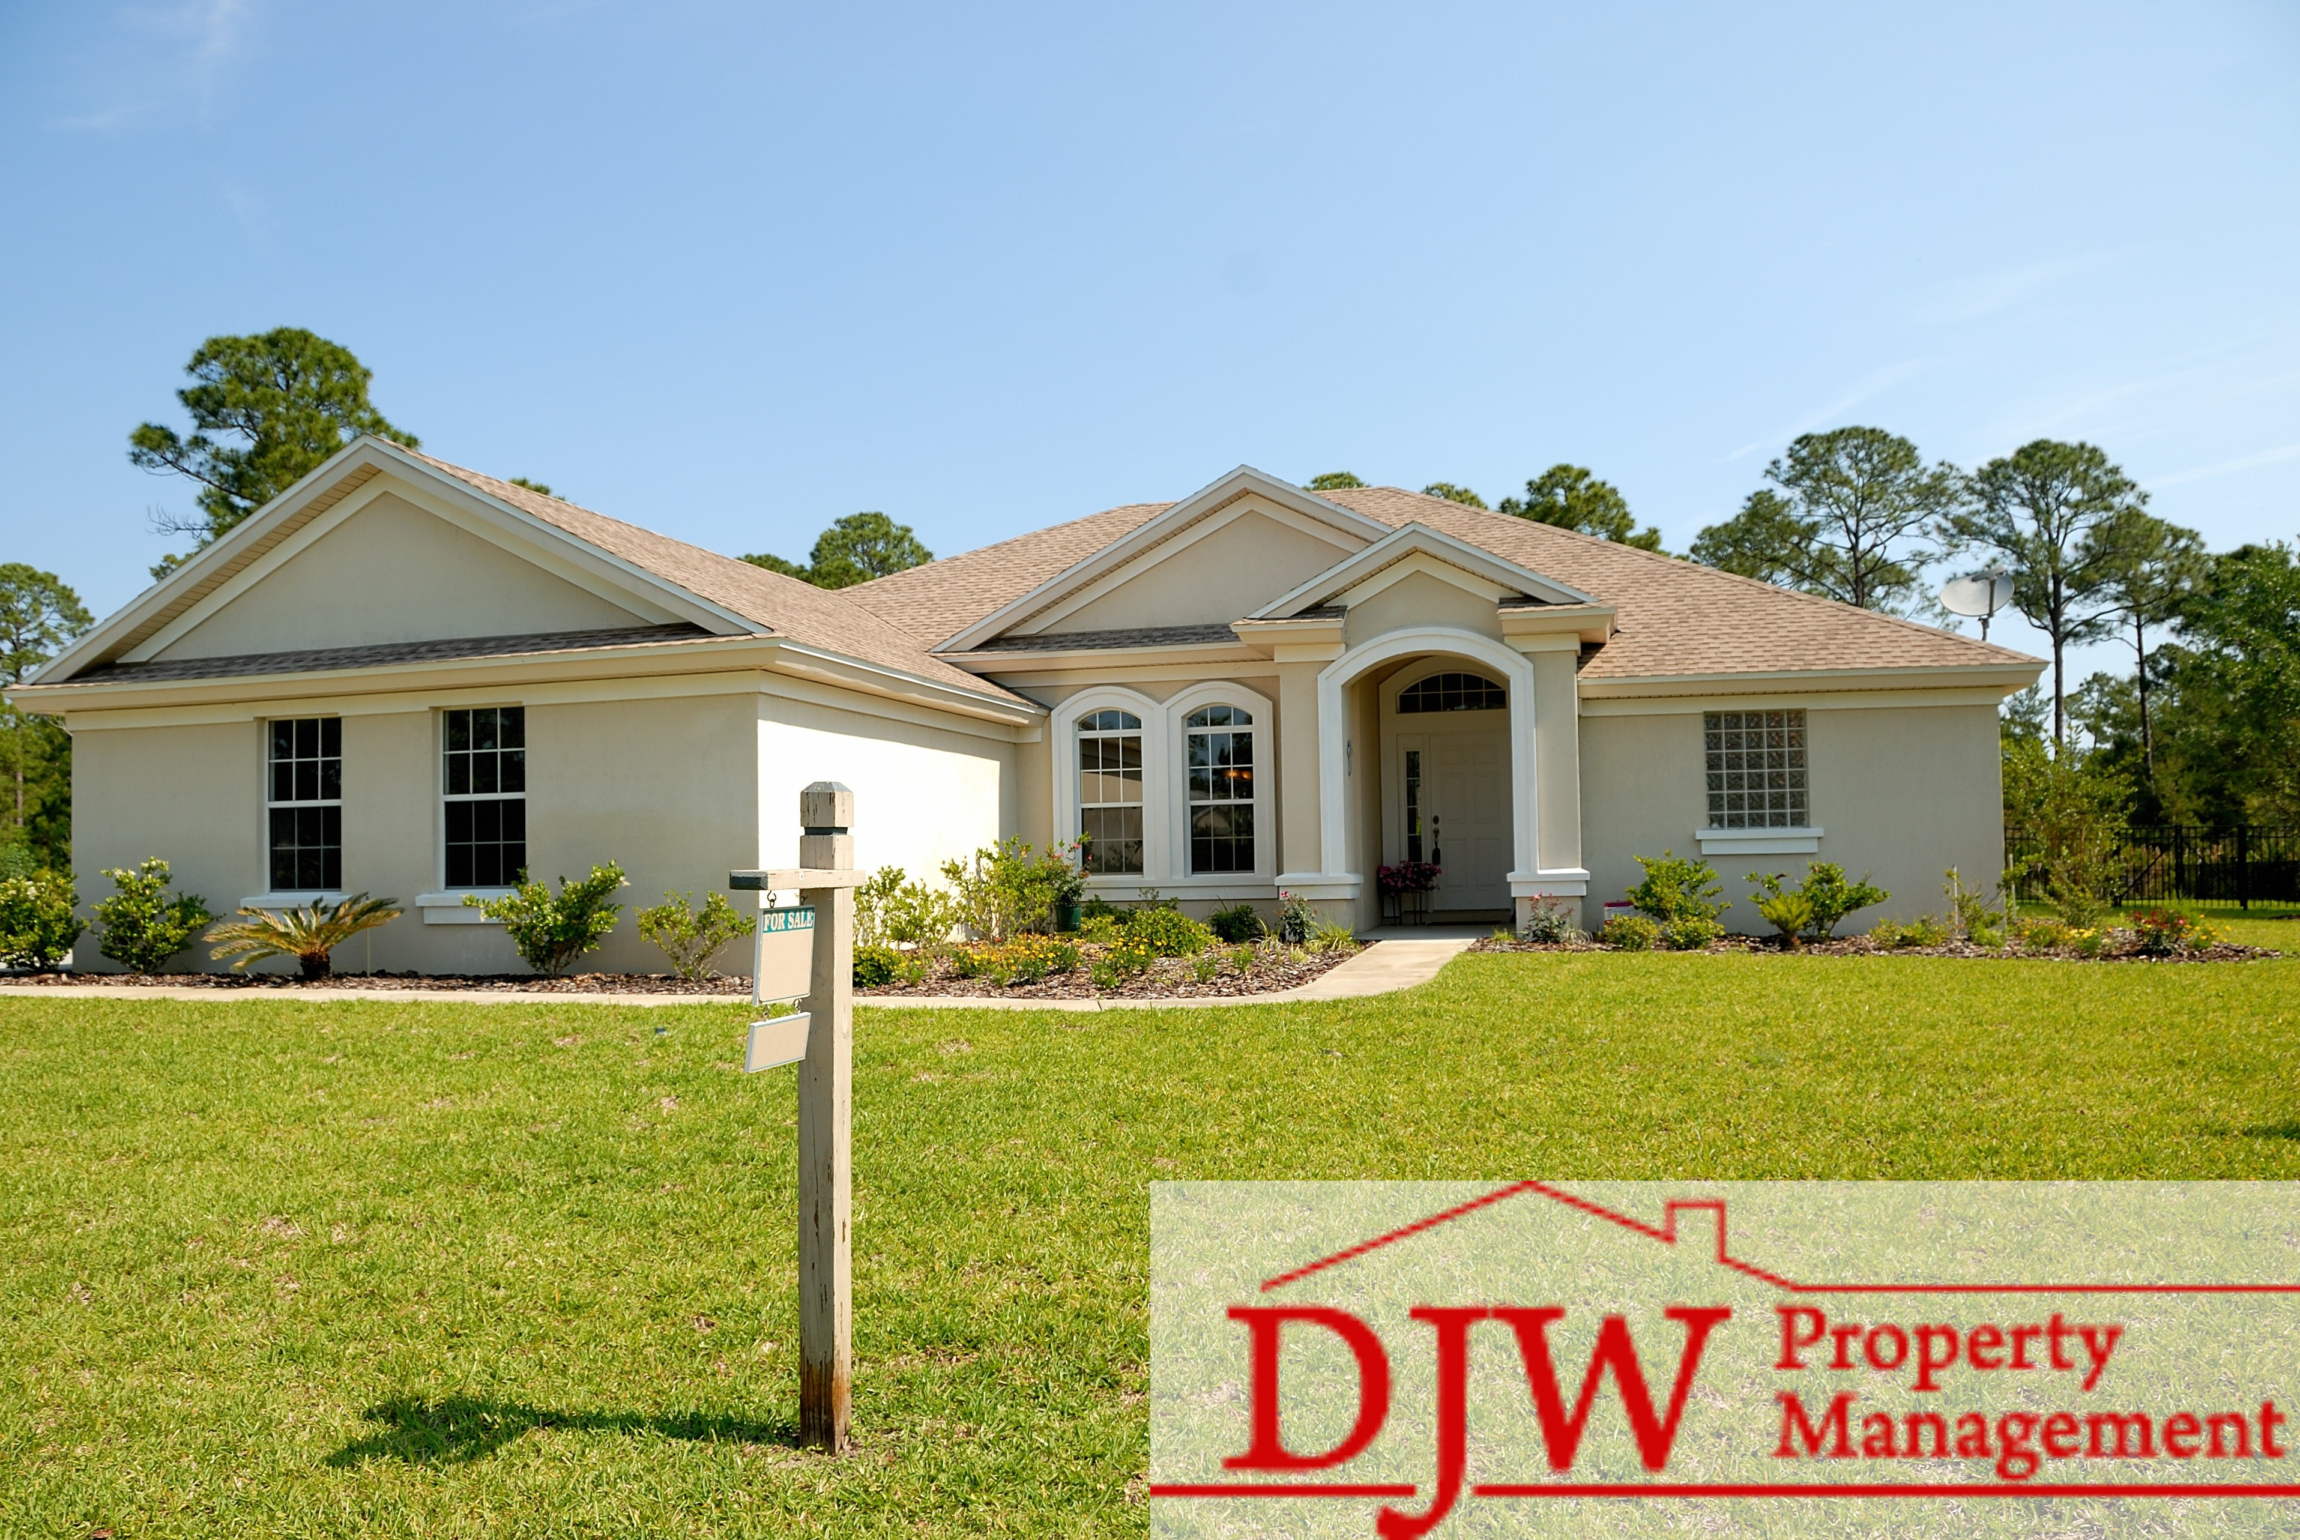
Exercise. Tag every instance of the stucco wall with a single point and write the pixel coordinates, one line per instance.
(1232, 572)
(391, 572)
(153, 791)
(923, 794)
(1904, 793)
(1418, 600)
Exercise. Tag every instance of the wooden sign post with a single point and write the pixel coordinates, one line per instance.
(826, 880)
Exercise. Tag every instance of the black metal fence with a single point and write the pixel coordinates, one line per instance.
(2192, 864)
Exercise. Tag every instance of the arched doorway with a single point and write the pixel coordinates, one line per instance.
(1446, 784)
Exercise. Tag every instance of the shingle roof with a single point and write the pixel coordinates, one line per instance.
(383, 654)
(1674, 616)
(818, 617)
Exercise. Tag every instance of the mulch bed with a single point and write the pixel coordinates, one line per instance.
(1169, 978)
(1863, 946)
(468, 983)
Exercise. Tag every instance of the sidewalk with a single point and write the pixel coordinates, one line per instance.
(1412, 957)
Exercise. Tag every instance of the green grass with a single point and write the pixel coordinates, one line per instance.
(288, 1269)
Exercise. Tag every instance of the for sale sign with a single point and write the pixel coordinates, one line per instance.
(1398, 1359)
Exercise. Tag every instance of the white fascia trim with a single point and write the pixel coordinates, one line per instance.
(2010, 676)
(1759, 842)
(1237, 483)
(802, 660)
(1409, 539)
(1524, 771)
(450, 909)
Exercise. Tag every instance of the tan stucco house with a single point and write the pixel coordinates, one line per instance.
(410, 679)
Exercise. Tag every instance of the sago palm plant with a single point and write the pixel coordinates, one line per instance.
(307, 934)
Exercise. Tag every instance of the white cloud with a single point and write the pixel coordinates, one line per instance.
(2276, 456)
(1875, 384)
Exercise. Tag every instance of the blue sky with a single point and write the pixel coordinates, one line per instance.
(733, 271)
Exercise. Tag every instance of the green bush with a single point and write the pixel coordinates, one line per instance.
(141, 925)
(37, 922)
(1691, 933)
(1130, 956)
(1239, 922)
(1010, 887)
(1970, 915)
(1104, 928)
(687, 935)
(1297, 917)
(1788, 913)
(876, 964)
(1676, 889)
(1630, 933)
(1332, 936)
(893, 908)
(1924, 930)
(1827, 898)
(549, 932)
(1167, 933)
(2044, 935)
(1028, 959)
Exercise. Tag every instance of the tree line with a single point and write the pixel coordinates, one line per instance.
(2205, 727)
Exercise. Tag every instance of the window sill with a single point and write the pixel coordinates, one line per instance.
(1759, 842)
(449, 908)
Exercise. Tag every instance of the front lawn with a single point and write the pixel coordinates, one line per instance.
(289, 1268)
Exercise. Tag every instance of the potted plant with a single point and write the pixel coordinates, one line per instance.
(1405, 891)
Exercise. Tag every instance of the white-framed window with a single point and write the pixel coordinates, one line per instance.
(484, 784)
(1218, 788)
(304, 804)
(1110, 791)
(1757, 769)
(1452, 692)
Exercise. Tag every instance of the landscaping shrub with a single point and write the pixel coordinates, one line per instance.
(1011, 887)
(1924, 930)
(1332, 936)
(1676, 889)
(2041, 935)
(1239, 922)
(309, 933)
(688, 936)
(1788, 913)
(1204, 966)
(141, 925)
(37, 922)
(1167, 933)
(1028, 959)
(2161, 932)
(1630, 933)
(1297, 917)
(1691, 933)
(1105, 927)
(549, 932)
(871, 900)
(1823, 899)
(1970, 916)
(876, 964)
(1550, 920)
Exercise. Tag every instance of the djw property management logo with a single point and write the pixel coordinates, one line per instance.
(1532, 1344)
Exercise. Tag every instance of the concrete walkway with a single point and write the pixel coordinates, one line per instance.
(1404, 958)
(1378, 970)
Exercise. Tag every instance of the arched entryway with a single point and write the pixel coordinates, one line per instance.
(1445, 769)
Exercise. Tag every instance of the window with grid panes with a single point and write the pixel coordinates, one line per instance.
(485, 777)
(1756, 769)
(1220, 766)
(305, 804)
(1110, 791)
(1452, 692)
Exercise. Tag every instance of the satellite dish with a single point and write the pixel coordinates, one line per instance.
(1979, 595)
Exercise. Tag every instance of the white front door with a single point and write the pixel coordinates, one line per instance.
(1455, 774)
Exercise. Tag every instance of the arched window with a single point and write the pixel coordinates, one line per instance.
(1452, 692)
(1110, 790)
(1220, 759)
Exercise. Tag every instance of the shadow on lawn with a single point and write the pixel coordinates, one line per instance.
(461, 1428)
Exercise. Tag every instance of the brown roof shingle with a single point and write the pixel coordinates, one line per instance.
(1674, 616)
(818, 617)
